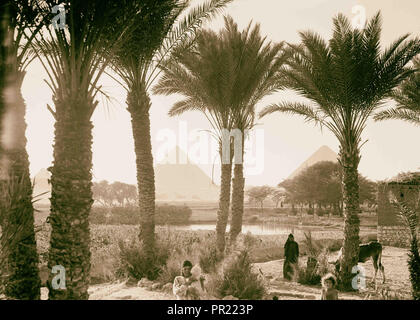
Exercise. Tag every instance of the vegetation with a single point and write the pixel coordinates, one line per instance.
(108, 194)
(317, 262)
(320, 185)
(15, 56)
(407, 97)
(136, 63)
(406, 191)
(259, 194)
(345, 81)
(224, 76)
(238, 279)
(74, 59)
(165, 214)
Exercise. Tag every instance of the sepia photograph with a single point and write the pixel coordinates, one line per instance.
(226, 151)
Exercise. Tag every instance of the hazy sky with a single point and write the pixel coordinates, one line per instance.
(281, 142)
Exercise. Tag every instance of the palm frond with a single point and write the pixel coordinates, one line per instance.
(301, 109)
(398, 114)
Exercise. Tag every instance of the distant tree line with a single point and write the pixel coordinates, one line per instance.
(319, 188)
(119, 205)
(117, 193)
(260, 194)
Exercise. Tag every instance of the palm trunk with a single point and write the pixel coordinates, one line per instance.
(237, 202)
(71, 199)
(19, 244)
(224, 203)
(138, 105)
(350, 186)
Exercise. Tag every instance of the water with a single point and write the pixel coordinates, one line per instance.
(266, 228)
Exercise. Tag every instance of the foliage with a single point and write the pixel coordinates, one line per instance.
(107, 194)
(134, 263)
(238, 279)
(407, 97)
(321, 184)
(165, 214)
(409, 215)
(19, 273)
(209, 256)
(278, 195)
(259, 194)
(317, 262)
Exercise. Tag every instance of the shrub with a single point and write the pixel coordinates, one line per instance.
(317, 263)
(253, 219)
(171, 269)
(209, 257)
(165, 214)
(133, 262)
(168, 214)
(238, 279)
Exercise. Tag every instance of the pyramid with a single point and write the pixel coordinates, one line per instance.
(322, 154)
(177, 178)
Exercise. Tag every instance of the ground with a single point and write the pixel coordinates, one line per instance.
(393, 259)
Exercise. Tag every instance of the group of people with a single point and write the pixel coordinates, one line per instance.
(190, 284)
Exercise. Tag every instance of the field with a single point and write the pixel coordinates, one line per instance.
(266, 253)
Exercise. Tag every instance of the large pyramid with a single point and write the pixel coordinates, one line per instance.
(322, 154)
(182, 180)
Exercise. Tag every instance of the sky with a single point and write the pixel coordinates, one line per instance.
(279, 143)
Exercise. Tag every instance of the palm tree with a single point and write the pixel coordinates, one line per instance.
(74, 58)
(346, 80)
(17, 216)
(137, 64)
(407, 97)
(223, 76)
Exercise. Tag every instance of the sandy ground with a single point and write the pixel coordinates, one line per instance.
(393, 259)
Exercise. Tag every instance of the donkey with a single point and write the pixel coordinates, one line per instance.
(371, 250)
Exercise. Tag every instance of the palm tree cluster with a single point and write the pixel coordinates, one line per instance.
(133, 37)
(150, 46)
(224, 75)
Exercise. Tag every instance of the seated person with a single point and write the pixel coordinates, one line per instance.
(190, 284)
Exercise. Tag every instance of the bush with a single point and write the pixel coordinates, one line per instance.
(209, 257)
(133, 262)
(171, 269)
(238, 279)
(166, 214)
(253, 219)
(317, 263)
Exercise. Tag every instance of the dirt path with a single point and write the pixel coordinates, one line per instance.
(394, 261)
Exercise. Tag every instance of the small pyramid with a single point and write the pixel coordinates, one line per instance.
(322, 154)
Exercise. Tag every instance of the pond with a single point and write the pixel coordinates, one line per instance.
(266, 228)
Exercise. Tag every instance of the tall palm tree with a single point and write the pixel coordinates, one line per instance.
(258, 65)
(17, 216)
(137, 64)
(345, 81)
(223, 76)
(74, 58)
(407, 97)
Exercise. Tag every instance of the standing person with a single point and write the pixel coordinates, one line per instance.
(188, 286)
(328, 287)
(291, 255)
